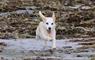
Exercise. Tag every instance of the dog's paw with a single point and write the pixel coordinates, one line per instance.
(54, 47)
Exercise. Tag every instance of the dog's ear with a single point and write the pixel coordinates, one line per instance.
(53, 16)
(41, 15)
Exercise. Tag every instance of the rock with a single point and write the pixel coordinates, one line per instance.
(93, 58)
(3, 44)
(27, 59)
(85, 7)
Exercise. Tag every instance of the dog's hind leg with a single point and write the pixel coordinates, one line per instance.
(37, 37)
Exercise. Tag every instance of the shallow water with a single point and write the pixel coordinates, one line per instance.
(26, 48)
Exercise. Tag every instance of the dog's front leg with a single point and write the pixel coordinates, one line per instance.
(45, 44)
(54, 40)
(46, 39)
(54, 43)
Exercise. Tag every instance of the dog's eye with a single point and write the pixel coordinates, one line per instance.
(51, 23)
(47, 23)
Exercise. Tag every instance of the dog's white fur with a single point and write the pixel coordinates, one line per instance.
(43, 31)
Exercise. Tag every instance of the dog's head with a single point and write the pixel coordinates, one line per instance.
(48, 22)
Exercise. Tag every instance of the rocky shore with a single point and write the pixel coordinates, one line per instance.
(74, 18)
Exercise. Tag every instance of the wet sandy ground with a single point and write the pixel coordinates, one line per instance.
(31, 49)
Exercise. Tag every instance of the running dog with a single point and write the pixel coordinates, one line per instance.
(46, 29)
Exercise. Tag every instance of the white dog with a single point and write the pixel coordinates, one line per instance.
(46, 29)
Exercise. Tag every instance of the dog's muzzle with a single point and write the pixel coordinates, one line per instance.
(49, 30)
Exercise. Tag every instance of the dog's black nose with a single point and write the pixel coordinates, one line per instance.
(49, 28)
